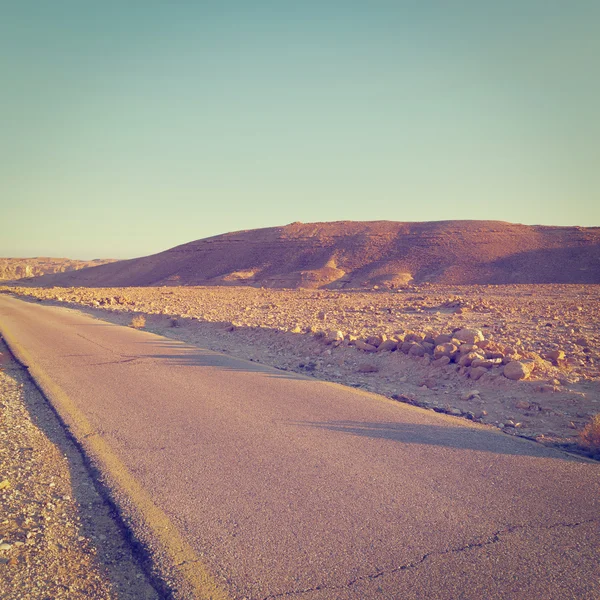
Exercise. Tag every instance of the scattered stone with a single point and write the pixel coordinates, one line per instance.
(469, 336)
(484, 362)
(447, 349)
(467, 348)
(555, 356)
(546, 388)
(334, 337)
(367, 368)
(476, 373)
(441, 362)
(523, 405)
(387, 346)
(466, 359)
(413, 337)
(376, 340)
(416, 350)
(364, 346)
(429, 348)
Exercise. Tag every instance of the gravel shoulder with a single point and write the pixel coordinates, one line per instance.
(59, 538)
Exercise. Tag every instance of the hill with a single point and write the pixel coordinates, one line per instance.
(19, 268)
(348, 254)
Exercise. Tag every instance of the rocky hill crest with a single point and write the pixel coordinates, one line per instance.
(357, 254)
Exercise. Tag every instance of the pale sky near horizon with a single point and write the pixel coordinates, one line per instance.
(130, 127)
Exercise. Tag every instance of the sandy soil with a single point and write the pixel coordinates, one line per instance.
(553, 330)
(58, 537)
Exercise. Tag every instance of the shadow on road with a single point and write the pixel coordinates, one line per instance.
(183, 355)
(463, 438)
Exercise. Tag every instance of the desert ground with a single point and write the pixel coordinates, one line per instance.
(522, 358)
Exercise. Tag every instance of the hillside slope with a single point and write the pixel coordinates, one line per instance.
(349, 254)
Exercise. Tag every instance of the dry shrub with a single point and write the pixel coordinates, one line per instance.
(138, 322)
(590, 436)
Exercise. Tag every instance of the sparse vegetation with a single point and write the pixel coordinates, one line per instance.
(138, 322)
(590, 436)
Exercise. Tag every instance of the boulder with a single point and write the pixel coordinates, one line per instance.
(469, 336)
(413, 337)
(516, 370)
(475, 373)
(446, 349)
(376, 340)
(555, 356)
(416, 350)
(429, 348)
(361, 345)
(466, 348)
(387, 346)
(442, 361)
(466, 359)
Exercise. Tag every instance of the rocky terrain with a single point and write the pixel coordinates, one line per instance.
(524, 358)
(350, 255)
(12, 269)
(58, 537)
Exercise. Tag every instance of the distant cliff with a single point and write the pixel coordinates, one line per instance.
(363, 254)
(20, 268)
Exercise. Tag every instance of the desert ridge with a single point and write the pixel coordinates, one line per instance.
(362, 255)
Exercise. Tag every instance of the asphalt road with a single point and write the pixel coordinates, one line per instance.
(286, 487)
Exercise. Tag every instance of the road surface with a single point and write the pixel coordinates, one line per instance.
(273, 485)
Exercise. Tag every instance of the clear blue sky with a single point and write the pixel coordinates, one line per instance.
(127, 127)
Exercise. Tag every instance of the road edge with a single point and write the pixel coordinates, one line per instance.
(181, 572)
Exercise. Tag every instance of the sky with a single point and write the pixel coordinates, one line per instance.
(127, 128)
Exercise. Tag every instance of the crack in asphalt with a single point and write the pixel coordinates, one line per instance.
(123, 357)
(87, 339)
(492, 539)
(117, 362)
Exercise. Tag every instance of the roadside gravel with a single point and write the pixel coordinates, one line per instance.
(58, 537)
